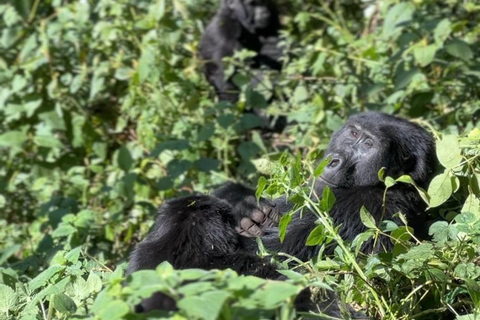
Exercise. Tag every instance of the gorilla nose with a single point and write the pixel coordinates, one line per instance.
(335, 162)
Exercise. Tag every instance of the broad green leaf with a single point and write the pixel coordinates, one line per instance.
(245, 282)
(440, 189)
(328, 199)
(274, 293)
(396, 16)
(421, 252)
(207, 306)
(361, 239)
(114, 310)
(47, 141)
(64, 303)
(442, 31)
(459, 49)
(207, 165)
(404, 77)
(472, 205)
(8, 299)
(424, 55)
(448, 151)
(321, 166)
(124, 159)
(439, 231)
(300, 94)
(317, 236)
(474, 290)
(389, 182)
(12, 139)
(43, 278)
(264, 166)
(94, 282)
(367, 218)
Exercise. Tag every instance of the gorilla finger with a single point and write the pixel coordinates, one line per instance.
(249, 226)
(258, 216)
(272, 216)
(243, 233)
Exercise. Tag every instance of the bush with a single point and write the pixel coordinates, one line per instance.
(105, 114)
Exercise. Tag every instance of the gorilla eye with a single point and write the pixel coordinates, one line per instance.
(354, 133)
(368, 143)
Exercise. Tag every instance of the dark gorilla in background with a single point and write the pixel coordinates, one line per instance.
(217, 231)
(240, 24)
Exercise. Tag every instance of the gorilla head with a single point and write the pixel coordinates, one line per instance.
(371, 141)
(253, 15)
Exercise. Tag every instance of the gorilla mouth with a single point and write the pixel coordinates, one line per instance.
(330, 183)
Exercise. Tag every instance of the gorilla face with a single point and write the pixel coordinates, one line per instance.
(370, 141)
(252, 14)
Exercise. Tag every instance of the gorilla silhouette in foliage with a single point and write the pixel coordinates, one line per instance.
(240, 24)
(217, 231)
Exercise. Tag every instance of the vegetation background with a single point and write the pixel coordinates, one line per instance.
(105, 113)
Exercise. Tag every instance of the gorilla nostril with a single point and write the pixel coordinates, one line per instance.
(334, 163)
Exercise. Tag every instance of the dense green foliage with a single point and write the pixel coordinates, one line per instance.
(105, 114)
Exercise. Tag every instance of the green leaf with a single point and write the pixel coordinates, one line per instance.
(114, 310)
(439, 231)
(448, 151)
(442, 31)
(328, 199)
(440, 189)
(264, 166)
(207, 165)
(472, 205)
(396, 16)
(124, 159)
(421, 252)
(94, 283)
(459, 49)
(282, 226)
(317, 236)
(367, 218)
(474, 290)
(300, 94)
(425, 55)
(389, 182)
(207, 306)
(404, 77)
(47, 141)
(64, 303)
(262, 183)
(43, 278)
(321, 166)
(12, 139)
(274, 293)
(407, 179)
(8, 299)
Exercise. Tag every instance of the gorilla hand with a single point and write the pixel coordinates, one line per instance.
(251, 217)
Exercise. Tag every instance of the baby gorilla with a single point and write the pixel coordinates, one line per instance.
(240, 24)
(216, 232)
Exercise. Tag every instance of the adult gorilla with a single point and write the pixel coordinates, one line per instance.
(216, 231)
(239, 24)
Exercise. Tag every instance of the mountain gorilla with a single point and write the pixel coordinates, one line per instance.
(202, 231)
(240, 24)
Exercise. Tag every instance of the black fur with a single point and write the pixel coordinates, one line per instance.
(206, 231)
(235, 27)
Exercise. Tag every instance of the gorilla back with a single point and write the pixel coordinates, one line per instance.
(218, 231)
(239, 24)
